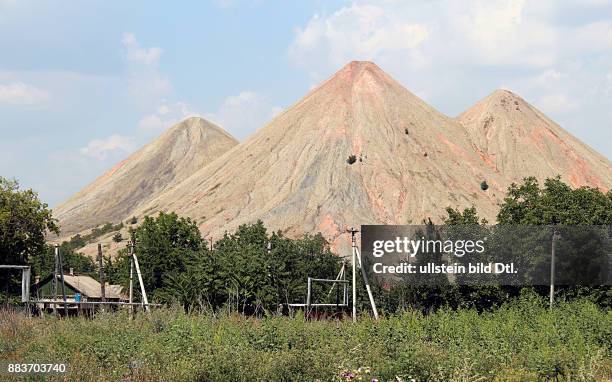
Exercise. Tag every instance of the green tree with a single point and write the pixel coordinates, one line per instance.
(244, 274)
(163, 244)
(555, 203)
(24, 221)
(44, 264)
(469, 216)
(117, 238)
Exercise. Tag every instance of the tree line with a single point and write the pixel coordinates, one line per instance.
(253, 271)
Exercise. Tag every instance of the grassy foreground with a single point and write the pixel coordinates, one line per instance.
(522, 341)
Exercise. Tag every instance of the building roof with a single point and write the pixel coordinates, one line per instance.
(89, 286)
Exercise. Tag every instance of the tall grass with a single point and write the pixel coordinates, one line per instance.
(521, 341)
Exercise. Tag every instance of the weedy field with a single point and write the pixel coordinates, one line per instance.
(521, 341)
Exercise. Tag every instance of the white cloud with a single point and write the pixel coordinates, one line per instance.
(146, 84)
(557, 103)
(242, 114)
(101, 148)
(150, 89)
(147, 56)
(361, 31)
(19, 93)
(421, 35)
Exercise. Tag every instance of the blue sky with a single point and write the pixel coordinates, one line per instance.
(83, 84)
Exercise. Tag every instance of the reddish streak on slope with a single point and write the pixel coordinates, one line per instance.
(113, 170)
(486, 158)
(458, 151)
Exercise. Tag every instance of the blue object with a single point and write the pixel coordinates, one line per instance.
(77, 297)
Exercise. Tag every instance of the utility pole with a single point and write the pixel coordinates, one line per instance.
(354, 281)
(102, 278)
(61, 269)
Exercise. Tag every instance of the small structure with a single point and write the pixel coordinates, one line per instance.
(25, 279)
(83, 294)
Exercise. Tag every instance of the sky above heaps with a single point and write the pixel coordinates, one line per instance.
(83, 84)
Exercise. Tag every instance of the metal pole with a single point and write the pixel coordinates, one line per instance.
(339, 277)
(344, 286)
(308, 298)
(61, 268)
(552, 269)
(55, 272)
(354, 259)
(367, 285)
(142, 287)
(25, 284)
(102, 278)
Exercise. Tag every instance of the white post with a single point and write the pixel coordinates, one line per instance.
(552, 270)
(25, 284)
(142, 288)
(308, 298)
(367, 284)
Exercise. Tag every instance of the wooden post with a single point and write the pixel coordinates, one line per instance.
(102, 278)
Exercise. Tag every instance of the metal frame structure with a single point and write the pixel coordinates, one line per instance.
(341, 279)
(26, 272)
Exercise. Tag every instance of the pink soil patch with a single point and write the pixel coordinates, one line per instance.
(328, 227)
